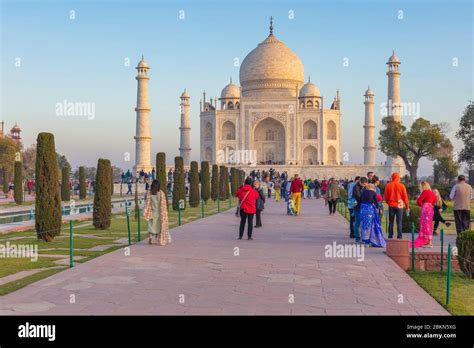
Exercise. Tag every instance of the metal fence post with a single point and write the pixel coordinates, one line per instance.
(179, 214)
(128, 226)
(413, 247)
(71, 244)
(448, 280)
(138, 221)
(442, 248)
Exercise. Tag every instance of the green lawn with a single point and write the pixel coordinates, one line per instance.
(85, 238)
(462, 290)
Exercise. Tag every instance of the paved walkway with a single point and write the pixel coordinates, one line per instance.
(282, 271)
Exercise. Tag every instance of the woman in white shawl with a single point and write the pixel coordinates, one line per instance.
(156, 213)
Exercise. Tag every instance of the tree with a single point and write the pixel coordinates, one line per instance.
(205, 181)
(82, 183)
(445, 168)
(48, 201)
(215, 182)
(9, 153)
(6, 179)
(235, 180)
(65, 191)
(161, 174)
(224, 183)
(89, 173)
(18, 188)
(194, 198)
(179, 189)
(102, 199)
(424, 139)
(466, 134)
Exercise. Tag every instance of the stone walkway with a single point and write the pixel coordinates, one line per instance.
(282, 271)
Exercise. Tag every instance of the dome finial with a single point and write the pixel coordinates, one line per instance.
(231, 79)
(271, 25)
(309, 78)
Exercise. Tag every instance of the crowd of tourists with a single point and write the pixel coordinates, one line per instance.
(364, 201)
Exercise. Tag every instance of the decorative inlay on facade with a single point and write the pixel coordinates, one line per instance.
(259, 115)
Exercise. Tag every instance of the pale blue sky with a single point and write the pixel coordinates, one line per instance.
(82, 60)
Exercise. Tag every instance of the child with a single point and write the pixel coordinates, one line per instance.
(439, 207)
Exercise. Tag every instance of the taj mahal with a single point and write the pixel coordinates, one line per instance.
(274, 117)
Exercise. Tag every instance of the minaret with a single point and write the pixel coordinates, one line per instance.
(369, 129)
(142, 137)
(185, 142)
(393, 102)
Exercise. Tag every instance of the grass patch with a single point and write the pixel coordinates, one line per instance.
(60, 245)
(462, 290)
(10, 266)
(20, 283)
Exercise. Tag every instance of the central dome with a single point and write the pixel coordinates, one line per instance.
(271, 65)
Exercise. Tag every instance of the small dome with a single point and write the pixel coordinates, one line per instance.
(185, 94)
(230, 91)
(143, 64)
(15, 127)
(393, 58)
(309, 89)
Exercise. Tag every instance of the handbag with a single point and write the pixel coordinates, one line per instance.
(237, 211)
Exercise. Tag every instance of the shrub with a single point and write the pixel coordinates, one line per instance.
(205, 181)
(82, 183)
(413, 191)
(102, 198)
(65, 192)
(179, 189)
(465, 245)
(194, 197)
(414, 217)
(48, 201)
(215, 182)
(18, 184)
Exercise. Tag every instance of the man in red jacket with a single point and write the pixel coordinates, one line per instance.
(247, 206)
(396, 197)
(295, 189)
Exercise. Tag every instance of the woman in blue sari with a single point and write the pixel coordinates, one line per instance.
(370, 226)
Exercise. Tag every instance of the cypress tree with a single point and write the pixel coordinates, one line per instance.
(205, 181)
(194, 198)
(179, 189)
(215, 182)
(18, 182)
(102, 198)
(5, 181)
(235, 180)
(161, 174)
(82, 183)
(48, 201)
(65, 192)
(111, 180)
(223, 183)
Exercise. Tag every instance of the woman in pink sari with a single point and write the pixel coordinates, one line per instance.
(426, 201)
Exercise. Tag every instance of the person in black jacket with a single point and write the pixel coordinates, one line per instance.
(260, 202)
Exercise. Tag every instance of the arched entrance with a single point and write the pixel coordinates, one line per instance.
(332, 155)
(310, 155)
(269, 141)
